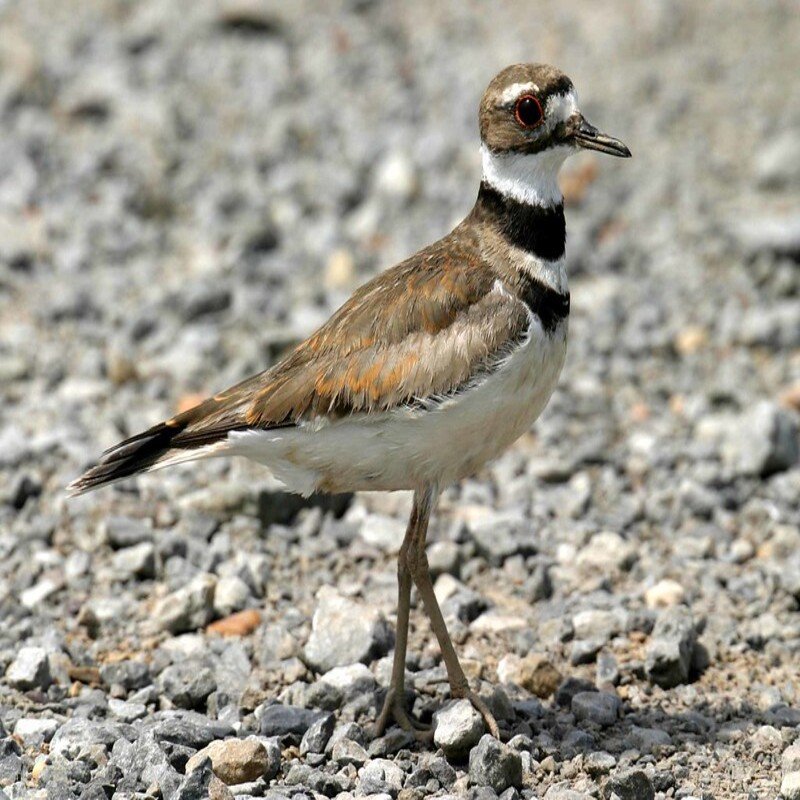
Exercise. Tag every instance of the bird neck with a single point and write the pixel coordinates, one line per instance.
(531, 235)
(528, 178)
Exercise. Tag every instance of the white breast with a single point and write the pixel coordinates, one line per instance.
(405, 448)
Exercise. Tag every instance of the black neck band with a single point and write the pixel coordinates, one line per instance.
(538, 230)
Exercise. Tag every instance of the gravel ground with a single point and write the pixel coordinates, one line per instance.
(185, 190)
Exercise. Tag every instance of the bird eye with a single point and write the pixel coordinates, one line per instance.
(528, 111)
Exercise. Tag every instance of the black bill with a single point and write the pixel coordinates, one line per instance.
(588, 137)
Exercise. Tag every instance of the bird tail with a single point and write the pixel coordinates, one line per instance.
(162, 445)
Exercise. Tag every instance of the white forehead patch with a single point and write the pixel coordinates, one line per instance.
(560, 107)
(511, 93)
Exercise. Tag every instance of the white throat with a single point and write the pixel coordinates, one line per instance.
(530, 178)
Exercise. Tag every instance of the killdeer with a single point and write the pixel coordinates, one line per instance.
(430, 369)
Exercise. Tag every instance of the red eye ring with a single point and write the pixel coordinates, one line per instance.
(528, 111)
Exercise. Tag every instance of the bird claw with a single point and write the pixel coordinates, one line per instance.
(393, 709)
(488, 718)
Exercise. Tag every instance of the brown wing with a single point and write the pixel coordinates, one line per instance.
(415, 332)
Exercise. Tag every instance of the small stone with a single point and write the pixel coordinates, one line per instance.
(457, 728)
(607, 551)
(340, 270)
(201, 299)
(777, 234)
(126, 711)
(648, 740)
(501, 536)
(350, 680)
(571, 686)
(664, 594)
(138, 561)
(777, 162)
(127, 531)
(669, 653)
(494, 764)
(381, 776)
(396, 177)
(607, 669)
(187, 684)
(33, 732)
(281, 720)
(444, 558)
(30, 669)
(23, 488)
(346, 751)
(533, 672)
(602, 708)
(344, 632)
(598, 624)
(240, 624)
(762, 441)
(77, 733)
(127, 674)
(790, 786)
(584, 651)
(790, 760)
(201, 784)
(254, 17)
(233, 760)
(632, 784)
(230, 594)
(318, 735)
(599, 762)
(384, 532)
(189, 608)
(35, 595)
(561, 791)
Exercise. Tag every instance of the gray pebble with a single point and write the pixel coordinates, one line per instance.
(669, 653)
(494, 764)
(344, 632)
(281, 720)
(30, 669)
(631, 784)
(457, 728)
(188, 608)
(318, 734)
(602, 708)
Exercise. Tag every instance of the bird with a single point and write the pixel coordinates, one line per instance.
(431, 369)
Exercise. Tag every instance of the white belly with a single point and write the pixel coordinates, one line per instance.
(407, 448)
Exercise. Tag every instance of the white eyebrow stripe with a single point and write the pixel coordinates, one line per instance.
(560, 107)
(511, 93)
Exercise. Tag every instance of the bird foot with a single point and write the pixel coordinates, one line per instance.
(393, 709)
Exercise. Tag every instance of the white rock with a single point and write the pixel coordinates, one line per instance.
(344, 632)
(790, 786)
(38, 593)
(30, 669)
(188, 608)
(790, 760)
(230, 594)
(385, 533)
(349, 677)
(457, 728)
(665, 593)
(599, 623)
(396, 177)
(35, 731)
(607, 551)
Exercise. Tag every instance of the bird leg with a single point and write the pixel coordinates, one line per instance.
(394, 704)
(417, 563)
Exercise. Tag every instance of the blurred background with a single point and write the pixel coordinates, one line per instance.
(187, 189)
